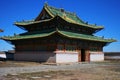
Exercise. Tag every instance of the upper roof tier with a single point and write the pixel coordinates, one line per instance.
(65, 15)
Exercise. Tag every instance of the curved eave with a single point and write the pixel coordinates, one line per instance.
(48, 11)
(63, 33)
(86, 38)
(27, 37)
(30, 23)
(20, 24)
(85, 25)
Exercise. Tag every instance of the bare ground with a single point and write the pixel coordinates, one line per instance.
(107, 70)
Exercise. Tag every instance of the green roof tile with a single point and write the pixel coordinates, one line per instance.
(72, 16)
(64, 33)
(68, 16)
(85, 37)
(29, 35)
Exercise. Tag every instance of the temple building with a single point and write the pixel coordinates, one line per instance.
(58, 36)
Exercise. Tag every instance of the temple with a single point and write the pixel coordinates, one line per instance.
(58, 36)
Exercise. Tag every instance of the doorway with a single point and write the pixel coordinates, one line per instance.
(82, 54)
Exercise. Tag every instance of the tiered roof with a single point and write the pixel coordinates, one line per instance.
(68, 17)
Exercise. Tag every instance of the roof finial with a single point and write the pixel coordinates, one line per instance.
(62, 10)
(46, 3)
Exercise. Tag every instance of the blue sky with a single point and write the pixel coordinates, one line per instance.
(100, 12)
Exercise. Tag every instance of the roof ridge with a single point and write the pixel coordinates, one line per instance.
(71, 13)
(67, 13)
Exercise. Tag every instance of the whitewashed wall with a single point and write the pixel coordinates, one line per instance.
(96, 57)
(66, 57)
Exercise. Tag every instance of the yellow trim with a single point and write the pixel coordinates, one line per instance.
(72, 37)
(21, 23)
(67, 18)
(48, 11)
(26, 37)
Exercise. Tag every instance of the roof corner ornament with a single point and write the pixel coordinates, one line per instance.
(15, 34)
(62, 10)
(86, 22)
(64, 15)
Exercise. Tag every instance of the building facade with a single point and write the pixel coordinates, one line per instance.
(58, 36)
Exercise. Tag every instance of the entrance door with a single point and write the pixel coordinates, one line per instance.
(82, 54)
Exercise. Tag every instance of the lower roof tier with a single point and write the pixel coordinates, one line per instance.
(41, 34)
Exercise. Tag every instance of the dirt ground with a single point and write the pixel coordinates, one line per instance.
(17, 64)
(107, 70)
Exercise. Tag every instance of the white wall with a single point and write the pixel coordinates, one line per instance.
(96, 57)
(66, 57)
